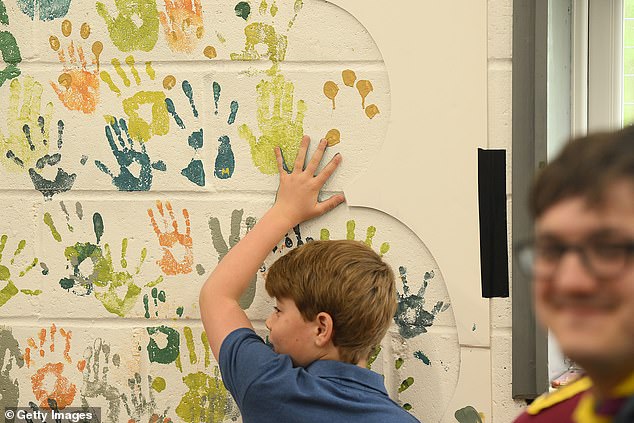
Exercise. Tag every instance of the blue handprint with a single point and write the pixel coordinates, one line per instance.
(195, 171)
(126, 155)
(45, 10)
(225, 161)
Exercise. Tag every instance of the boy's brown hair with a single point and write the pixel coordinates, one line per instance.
(346, 279)
(586, 167)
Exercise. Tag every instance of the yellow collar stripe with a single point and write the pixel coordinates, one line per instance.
(562, 394)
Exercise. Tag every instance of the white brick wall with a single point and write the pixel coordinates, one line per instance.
(142, 360)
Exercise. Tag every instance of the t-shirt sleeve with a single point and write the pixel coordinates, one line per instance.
(244, 358)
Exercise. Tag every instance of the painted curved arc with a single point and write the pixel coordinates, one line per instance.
(426, 173)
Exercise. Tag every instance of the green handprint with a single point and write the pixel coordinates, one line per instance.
(9, 49)
(104, 280)
(10, 290)
(28, 130)
(260, 33)
(277, 125)
(351, 235)
(207, 399)
(125, 33)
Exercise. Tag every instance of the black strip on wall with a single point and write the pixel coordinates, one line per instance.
(493, 231)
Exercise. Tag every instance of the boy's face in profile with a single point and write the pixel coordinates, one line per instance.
(290, 334)
(590, 314)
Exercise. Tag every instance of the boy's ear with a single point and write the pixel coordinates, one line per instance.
(325, 328)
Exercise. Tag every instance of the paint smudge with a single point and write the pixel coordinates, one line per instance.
(78, 87)
(44, 10)
(124, 31)
(468, 414)
(183, 24)
(406, 384)
(169, 239)
(225, 161)
(411, 317)
(372, 110)
(422, 357)
(10, 355)
(333, 137)
(373, 356)
(398, 363)
(210, 52)
(126, 154)
(364, 87)
(221, 247)
(277, 125)
(243, 10)
(330, 91)
(95, 378)
(349, 77)
(10, 290)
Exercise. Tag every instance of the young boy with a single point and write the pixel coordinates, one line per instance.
(334, 303)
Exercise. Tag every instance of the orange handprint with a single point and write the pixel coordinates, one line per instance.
(168, 240)
(78, 87)
(62, 391)
(183, 24)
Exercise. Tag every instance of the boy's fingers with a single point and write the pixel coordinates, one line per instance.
(316, 159)
(301, 154)
(329, 169)
(331, 203)
(280, 161)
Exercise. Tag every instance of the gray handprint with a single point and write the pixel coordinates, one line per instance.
(9, 355)
(222, 249)
(95, 378)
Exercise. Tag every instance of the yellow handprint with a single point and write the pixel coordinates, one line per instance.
(278, 126)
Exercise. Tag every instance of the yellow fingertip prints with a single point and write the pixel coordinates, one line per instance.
(67, 28)
(330, 90)
(65, 79)
(210, 52)
(169, 82)
(54, 42)
(85, 30)
(97, 48)
(159, 384)
(200, 32)
(333, 137)
(364, 87)
(372, 110)
(349, 77)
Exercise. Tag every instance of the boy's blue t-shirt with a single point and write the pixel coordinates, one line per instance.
(268, 388)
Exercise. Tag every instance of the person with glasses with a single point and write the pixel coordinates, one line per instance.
(582, 265)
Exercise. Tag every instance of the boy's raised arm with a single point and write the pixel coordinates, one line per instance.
(296, 201)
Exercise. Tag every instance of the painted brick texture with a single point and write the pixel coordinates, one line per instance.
(136, 142)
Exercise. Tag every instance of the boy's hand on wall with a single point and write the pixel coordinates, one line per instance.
(297, 196)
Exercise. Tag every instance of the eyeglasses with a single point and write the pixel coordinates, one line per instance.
(604, 260)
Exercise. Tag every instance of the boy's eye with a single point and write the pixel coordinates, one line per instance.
(277, 310)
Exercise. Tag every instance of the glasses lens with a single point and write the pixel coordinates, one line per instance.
(526, 258)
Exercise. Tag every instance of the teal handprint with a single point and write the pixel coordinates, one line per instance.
(44, 10)
(276, 122)
(411, 317)
(125, 33)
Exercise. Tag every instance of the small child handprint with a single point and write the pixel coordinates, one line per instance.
(168, 239)
(411, 317)
(78, 87)
(183, 24)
